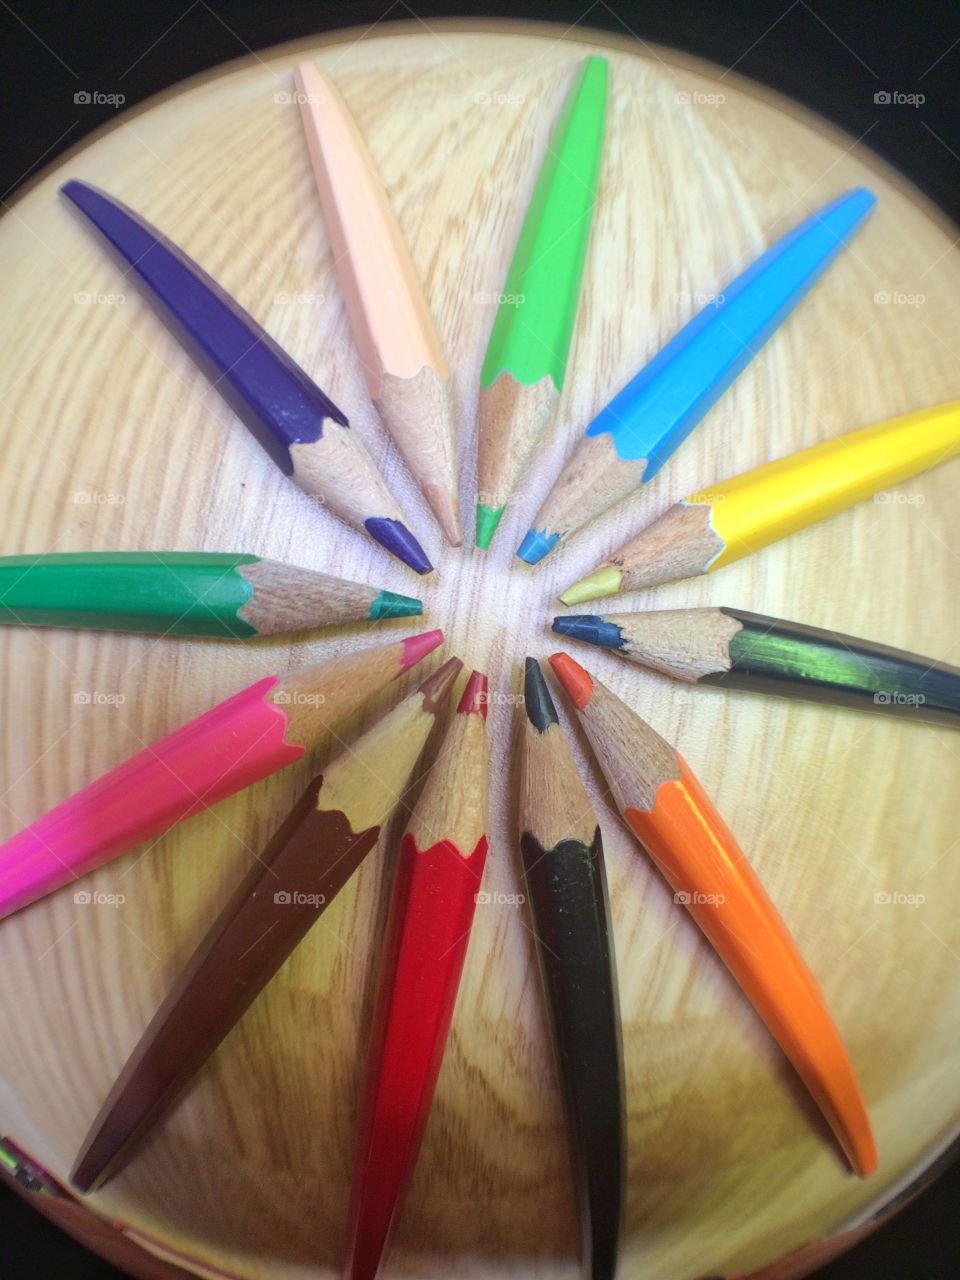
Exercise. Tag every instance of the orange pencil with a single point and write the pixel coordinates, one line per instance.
(667, 809)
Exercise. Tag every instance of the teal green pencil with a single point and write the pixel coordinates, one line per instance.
(184, 593)
(527, 354)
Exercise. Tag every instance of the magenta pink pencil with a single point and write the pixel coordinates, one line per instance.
(246, 738)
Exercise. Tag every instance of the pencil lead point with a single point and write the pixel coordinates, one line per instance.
(576, 681)
(536, 544)
(475, 696)
(590, 628)
(604, 581)
(537, 702)
(487, 520)
(396, 538)
(417, 647)
(390, 605)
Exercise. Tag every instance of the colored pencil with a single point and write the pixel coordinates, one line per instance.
(562, 853)
(667, 809)
(316, 850)
(406, 370)
(630, 440)
(734, 518)
(431, 911)
(740, 650)
(252, 734)
(301, 429)
(526, 358)
(184, 593)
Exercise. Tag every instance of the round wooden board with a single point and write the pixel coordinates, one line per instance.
(114, 440)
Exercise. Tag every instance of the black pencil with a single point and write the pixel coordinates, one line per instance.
(741, 650)
(562, 854)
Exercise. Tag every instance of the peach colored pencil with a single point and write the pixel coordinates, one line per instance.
(406, 369)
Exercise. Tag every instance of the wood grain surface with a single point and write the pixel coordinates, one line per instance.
(113, 440)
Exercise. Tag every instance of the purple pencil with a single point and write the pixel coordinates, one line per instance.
(303, 431)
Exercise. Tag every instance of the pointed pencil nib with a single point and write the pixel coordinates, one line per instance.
(399, 541)
(487, 520)
(576, 681)
(590, 628)
(604, 581)
(417, 647)
(439, 683)
(536, 544)
(537, 702)
(475, 696)
(390, 605)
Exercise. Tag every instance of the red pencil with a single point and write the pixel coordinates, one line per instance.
(438, 876)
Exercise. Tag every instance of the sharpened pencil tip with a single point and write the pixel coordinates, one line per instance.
(439, 683)
(537, 702)
(396, 538)
(390, 605)
(417, 647)
(604, 581)
(590, 628)
(536, 544)
(576, 681)
(475, 696)
(487, 520)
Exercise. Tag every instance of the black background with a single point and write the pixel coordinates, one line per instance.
(834, 57)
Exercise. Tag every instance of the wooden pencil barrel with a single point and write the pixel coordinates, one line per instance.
(114, 440)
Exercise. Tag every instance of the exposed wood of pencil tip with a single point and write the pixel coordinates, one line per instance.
(420, 409)
(593, 478)
(511, 419)
(687, 644)
(338, 471)
(287, 597)
(453, 803)
(367, 780)
(554, 804)
(315, 698)
(680, 544)
(636, 761)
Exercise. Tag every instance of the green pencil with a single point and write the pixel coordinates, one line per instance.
(526, 357)
(184, 593)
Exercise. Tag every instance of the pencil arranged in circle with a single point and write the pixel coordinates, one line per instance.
(334, 825)
(667, 809)
(431, 912)
(526, 358)
(252, 734)
(734, 518)
(630, 440)
(301, 429)
(739, 650)
(185, 593)
(562, 853)
(403, 359)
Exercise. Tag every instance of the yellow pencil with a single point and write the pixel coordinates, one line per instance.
(716, 526)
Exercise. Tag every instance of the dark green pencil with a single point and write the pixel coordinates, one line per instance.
(743, 650)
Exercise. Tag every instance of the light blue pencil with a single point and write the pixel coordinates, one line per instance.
(629, 441)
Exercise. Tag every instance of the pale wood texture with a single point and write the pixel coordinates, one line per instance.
(728, 1164)
(511, 419)
(453, 803)
(554, 804)
(636, 760)
(288, 598)
(685, 643)
(593, 478)
(680, 543)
